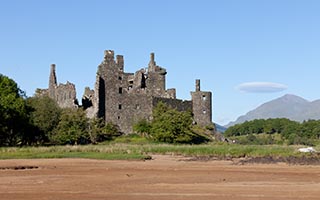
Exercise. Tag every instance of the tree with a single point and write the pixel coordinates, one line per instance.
(172, 126)
(14, 119)
(100, 131)
(45, 116)
(142, 127)
(72, 128)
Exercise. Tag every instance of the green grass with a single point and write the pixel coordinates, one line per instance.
(128, 151)
(130, 139)
(224, 150)
(111, 152)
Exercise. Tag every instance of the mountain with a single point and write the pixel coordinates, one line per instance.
(220, 128)
(289, 106)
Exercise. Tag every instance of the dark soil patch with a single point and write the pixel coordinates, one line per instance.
(292, 160)
(304, 160)
(206, 158)
(19, 167)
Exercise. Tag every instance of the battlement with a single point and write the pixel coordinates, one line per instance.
(109, 55)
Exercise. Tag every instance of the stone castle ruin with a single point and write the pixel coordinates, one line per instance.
(125, 98)
(64, 94)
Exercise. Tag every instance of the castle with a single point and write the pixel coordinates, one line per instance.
(125, 98)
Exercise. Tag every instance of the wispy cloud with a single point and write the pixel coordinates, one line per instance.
(261, 87)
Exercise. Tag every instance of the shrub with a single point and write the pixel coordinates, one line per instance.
(142, 127)
(172, 126)
(99, 131)
(72, 128)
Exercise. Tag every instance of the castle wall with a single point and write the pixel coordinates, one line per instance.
(134, 107)
(156, 83)
(177, 104)
(65, 95)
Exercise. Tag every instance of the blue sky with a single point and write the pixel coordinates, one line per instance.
(228, 44)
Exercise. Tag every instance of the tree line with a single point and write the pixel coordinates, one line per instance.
(307, 132)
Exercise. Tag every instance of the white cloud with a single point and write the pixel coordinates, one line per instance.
(261, 87)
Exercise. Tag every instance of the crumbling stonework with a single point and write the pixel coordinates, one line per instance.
(87, 102)
(125, 98)
(63, 94)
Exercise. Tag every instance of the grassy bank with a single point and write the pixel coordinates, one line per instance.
(123, 151)
(105, 152)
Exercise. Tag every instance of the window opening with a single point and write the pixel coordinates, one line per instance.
(204, 97)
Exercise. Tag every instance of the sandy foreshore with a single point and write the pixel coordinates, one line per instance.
(163, 177)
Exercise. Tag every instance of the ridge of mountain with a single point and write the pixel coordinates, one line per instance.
(288, 106)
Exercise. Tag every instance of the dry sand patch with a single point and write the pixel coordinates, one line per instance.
(164, 177)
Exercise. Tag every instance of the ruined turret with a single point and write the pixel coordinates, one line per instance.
(63, 94)
(201, 106)
(152, 64)
(52, 81)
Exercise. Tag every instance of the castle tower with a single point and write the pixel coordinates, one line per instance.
(52, 81)
(110, 88)
(201, 106)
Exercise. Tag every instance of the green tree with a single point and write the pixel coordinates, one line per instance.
(14, 118)
(45, 116)
(72, 128)
(142, 127)
(172, 126)
(290, 131)
(100, 131)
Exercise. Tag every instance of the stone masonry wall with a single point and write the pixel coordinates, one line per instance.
(177, 104)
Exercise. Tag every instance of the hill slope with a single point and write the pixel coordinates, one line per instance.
(220, 128)
(289, 106)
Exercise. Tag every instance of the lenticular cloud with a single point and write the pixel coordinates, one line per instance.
(261, 87)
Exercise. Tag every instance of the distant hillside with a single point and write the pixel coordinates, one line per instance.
(220, 128)
(289, 106)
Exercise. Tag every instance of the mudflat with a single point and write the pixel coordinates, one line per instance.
(163, 177)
